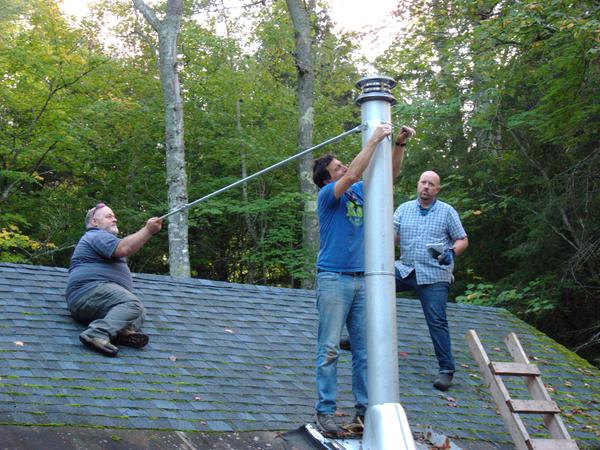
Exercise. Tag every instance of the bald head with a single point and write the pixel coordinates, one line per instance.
(428, 187)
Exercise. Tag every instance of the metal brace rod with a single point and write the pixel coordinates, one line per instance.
(356, 129)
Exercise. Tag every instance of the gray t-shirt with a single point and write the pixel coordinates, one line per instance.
(92, 263)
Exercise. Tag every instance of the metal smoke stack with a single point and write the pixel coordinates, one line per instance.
(386, 426)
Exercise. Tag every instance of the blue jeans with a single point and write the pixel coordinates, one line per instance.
(340, 300)
(433, 300)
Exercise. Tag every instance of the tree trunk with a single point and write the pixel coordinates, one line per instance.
(168, 31)
(300, 13)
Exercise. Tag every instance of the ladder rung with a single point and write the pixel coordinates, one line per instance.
(507, 368)
(533, 406)
(553, 444)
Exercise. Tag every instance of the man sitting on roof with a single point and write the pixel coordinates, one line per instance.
(99, 287)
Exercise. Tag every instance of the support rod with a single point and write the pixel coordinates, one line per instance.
(356, 129)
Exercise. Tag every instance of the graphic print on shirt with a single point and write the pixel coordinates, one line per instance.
(354, 208)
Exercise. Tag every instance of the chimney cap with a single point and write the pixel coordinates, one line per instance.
(376, 87)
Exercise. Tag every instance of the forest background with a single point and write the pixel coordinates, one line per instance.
(504, 96)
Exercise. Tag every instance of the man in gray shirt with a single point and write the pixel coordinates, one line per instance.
(99, 290)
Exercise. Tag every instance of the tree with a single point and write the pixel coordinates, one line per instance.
(505, 98)
(301, 13)
(44, 66)
(168, 32)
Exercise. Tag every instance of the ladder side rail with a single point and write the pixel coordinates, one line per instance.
(513, 422)
(537, 389)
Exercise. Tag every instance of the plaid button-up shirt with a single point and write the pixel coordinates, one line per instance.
(440, 225)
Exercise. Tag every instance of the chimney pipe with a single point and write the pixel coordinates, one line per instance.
(386, 425)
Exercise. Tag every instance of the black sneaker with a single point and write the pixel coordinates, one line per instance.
(443, 382)
(99, 344)
(133, 339)
(326, 423)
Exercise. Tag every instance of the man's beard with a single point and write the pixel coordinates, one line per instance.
(112, 229)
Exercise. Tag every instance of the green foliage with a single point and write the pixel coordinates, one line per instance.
(504, 97)
(13, 242)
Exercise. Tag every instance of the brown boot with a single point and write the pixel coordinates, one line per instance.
(100, 345)
(131, 338)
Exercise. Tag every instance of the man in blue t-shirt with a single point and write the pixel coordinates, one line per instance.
(99, 287)
(340, 285)
(430, 235)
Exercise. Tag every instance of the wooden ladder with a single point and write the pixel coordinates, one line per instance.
(509, 408)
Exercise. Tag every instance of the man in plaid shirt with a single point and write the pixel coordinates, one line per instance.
(430, 235)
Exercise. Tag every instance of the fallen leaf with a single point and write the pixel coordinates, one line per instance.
(172, 358)
(476, 212)
(405, 354)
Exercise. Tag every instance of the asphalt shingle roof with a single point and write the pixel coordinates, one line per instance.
(231, 357)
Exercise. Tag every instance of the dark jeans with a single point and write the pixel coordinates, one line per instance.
(433, 300)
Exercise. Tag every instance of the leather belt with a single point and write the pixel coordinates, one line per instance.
(348, 274)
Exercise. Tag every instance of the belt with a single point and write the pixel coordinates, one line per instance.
(348, 274)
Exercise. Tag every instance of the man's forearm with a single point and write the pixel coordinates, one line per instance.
(460, 246)
(132, 243)
(361, 161)
(397, 159)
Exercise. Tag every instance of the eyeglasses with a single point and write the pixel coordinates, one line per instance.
(96, 208)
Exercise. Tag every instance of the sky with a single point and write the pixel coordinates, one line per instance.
(350, 15)
(353, 15)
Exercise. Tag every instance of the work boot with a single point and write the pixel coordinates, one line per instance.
(443, 381)
(327, 423)
(131, 338)
(357, 426)
(101, 345)
(345, 344)
(359, 418)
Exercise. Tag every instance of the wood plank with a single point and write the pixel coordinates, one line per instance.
(553, 444)
(513, 422)
(533, 406)
(536, 387)
(514, 369)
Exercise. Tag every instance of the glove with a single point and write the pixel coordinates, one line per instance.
(446, 258)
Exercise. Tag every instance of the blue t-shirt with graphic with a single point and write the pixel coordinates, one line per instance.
(92, 263)
(342, 247)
